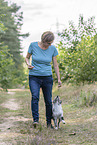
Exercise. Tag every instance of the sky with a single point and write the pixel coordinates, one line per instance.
(54, 15)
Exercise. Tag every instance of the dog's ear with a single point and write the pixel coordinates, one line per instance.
(53, 101)
(60, 101)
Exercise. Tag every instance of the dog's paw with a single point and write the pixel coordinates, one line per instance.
(63, 122)
(56, 128)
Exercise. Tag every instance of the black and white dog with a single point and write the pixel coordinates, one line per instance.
(57, 112)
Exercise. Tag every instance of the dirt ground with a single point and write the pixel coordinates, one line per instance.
(9, 121)
(16, 121)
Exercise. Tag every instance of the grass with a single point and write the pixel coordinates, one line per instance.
(81, 118)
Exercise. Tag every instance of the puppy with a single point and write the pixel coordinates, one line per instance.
(57, 112)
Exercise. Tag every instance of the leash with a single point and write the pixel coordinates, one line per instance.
(59, 90)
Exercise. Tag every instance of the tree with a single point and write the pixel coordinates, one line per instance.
(6, 63)
(77, 52)
(72, 36)
(11, 18)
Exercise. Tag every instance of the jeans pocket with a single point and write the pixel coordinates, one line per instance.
(49, 80)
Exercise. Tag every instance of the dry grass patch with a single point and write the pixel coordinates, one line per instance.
(81, 120)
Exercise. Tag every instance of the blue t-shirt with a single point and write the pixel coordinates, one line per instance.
(41, 59)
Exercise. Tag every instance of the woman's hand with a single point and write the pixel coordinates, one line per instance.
(30, 66)
(27, 61)
(59, 83)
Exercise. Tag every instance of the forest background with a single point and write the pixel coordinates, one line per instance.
(77, 50)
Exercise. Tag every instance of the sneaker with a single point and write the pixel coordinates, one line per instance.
(35, 124)
(50, 126)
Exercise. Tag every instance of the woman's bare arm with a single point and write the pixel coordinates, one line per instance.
(27, 59)
(56, 68)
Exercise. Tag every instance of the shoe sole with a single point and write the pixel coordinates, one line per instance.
(35, 125)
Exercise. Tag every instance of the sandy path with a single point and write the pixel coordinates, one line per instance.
(9, 121)
(11, 104)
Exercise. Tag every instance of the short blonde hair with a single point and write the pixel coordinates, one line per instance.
(47, 36)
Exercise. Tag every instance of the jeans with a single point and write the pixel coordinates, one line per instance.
(46, 83)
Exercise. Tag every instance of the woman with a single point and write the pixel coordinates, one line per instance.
(40, 74)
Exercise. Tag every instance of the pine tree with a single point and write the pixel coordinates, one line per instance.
(11, 18)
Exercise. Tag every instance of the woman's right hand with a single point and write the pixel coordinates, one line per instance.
(27, 61)
(30, 66)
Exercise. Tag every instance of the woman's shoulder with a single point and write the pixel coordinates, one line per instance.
(32, 46)
(53, 47)
(34, 43)
(54, 50)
